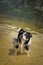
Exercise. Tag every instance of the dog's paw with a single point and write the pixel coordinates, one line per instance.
(28, 55)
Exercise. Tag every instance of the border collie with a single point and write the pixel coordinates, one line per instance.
(24, 39)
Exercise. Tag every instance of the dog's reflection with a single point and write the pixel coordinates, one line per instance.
(15, 50)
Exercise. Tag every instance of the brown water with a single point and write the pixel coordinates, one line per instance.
(7, 33)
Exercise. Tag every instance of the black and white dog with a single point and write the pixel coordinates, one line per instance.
(24, 39)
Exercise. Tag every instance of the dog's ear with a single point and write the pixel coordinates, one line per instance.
(30, 35)
(19, 29)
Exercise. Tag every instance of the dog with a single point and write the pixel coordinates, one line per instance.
(24, 40)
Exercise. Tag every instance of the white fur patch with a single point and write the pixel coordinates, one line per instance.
(29, 41)
(24, 37)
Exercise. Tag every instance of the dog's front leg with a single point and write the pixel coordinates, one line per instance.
(22, 45)
(22, 48)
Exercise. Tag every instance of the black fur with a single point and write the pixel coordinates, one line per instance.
(28, 36)
(20, 35)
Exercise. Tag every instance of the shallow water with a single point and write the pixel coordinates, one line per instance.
(23, 23)
(8, 32)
